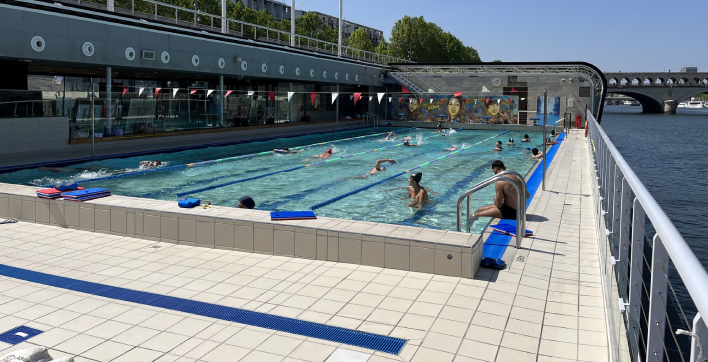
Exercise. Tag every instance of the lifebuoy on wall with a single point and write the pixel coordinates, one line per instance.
(578, 119)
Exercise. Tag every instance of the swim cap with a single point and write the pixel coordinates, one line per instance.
(417, 176)
(528, 148)
(406, 143)
(329, 150)
(248, 202)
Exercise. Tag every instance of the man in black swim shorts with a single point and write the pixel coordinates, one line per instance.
(504, 206)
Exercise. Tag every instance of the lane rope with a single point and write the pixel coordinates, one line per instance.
(212, 187)
(360, 189)
(209, 162)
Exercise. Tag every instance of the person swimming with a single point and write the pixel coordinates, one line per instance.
(526, 138)
(285, 150)
(149, 164)
(325, 155)
(377, 168)
(451, 148)
(390, 136)
(408, 144)
(416, 191)
(550, 142)
(510, 142)
(553, 132)
(536, 153)
(499, 146)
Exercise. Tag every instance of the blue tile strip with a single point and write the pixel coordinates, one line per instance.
(351, 337)
(496, 243)
(12, 336)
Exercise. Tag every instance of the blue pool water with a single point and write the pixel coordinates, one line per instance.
(305, 187)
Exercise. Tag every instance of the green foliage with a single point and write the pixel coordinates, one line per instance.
(421, 41)
(382, 48)
(311, 25)
(496, 61)
(359, 39)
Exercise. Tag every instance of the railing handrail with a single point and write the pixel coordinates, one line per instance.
(689, 268)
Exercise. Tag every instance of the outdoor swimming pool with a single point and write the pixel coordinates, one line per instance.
(301, 188)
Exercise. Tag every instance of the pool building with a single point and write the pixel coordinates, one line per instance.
(178, 108)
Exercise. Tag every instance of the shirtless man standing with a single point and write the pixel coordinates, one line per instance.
(504, 206)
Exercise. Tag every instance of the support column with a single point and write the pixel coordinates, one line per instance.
(223, 99)
(341, 21)
(110, 5)
(109, 99)
(224, 23)
(292, 26)
(670, 106)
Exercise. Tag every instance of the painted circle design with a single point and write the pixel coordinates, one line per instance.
(346, 76)
(244, 65)
(496, 82)
(297, 71)
(88, 49)
(264, 67)
(222, 63)
(282, 69)
(324, 74)
(165, 57)
(129, 53)
(195, 60)
(336, 75)
(37, 43)
(312, 72)
(356, 77)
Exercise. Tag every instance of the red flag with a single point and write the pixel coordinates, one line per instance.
(442, 100)
(486, 101)
(125, 89)
(457, 94)
(400, 100)
(312, 97)
(193, 91)
(357, 96)
(404, 90)
(271, 95)
(421, 100)
(511, 100)
(513, 90)
(157, 90)
(227, 93)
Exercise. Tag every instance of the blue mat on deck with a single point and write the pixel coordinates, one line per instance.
(496, 244)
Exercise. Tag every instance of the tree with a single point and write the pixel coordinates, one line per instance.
(311, 25)
(359, 39)
(421, 41)
(382, 48)
(496, 61)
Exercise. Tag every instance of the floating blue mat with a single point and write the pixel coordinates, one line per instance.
(84, 193)
(292, 215)
(351, 337)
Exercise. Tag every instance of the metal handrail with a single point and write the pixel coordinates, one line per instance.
(375, 118)
(625, 226)
(490, 181)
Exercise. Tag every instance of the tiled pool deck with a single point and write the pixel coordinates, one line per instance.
(546, 306)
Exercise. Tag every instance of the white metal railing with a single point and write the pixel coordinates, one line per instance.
(645, 261)
(256, 32)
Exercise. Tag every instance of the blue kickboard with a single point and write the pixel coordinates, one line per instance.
(84, 193)
(292, 215)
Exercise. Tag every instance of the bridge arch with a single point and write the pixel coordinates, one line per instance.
(649, 103)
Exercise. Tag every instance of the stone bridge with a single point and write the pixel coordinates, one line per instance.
(658, 92)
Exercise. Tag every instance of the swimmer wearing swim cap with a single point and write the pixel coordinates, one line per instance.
(246, 202)
(325, 155)
(408, 144)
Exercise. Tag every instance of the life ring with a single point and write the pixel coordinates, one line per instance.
(586, 129)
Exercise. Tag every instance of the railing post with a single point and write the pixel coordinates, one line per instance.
(699, 329)
(623, 239)
(636, 260)
(657, 301)
(616, 209)
(155, 11)
(132, 7)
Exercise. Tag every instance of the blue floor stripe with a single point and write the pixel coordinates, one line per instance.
(351, 337)
(496, 243)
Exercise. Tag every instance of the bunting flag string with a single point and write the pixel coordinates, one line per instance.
(157, 90)
(485, 90)
(486, 101)
(174, 92)
(140, 92)
(389, 99)
(457, 94)
(271, 95)
(209, 92)
(227, 93)
(290, 95)
(193, 91)
(381, 95)
(357, 96)
(125, 89)
(370, 98)
(334, 96)
(312, 97)
(498, 101)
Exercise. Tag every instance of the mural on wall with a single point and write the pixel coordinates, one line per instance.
(458, 109)
(554, 107)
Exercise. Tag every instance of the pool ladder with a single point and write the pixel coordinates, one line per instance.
(520, 202)
(371, 117)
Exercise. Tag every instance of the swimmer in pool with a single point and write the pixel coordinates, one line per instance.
(377, 168)
(499, 146)
(536, 153)
(451, 148)
(510, 142)
(440, 129)
(390, 136)
(553, 132)
(149, 164)
(526, 138)
(418, 193)
(325, 155)
(408, 144)
(550, 142)
(285, 150)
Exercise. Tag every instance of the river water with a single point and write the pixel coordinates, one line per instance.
(669, 153)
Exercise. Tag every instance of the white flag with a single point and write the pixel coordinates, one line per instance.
(498, 101)
(250, 93)
(485, 90)
(475, 101)
(209, 92)
(334, 96)
(523, 99)
(431, 100)
(174, 92)
(351, 97)
(380, 96)
(389, 99)
(140, 91)
(370, 98)
(290, 95)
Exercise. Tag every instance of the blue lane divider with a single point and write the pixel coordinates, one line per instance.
(209, 162)
(496, 244)
(360, 189)
(351, 337)
(191, 192)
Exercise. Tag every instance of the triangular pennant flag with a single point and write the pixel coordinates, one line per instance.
(523, 99)
(404, 89)
(381, 95)
(475, 101)
(357, 96)
(193, 91)
(485, 90)
(227, 93)
(442, 100)
(125, 89)
(486, 101)
(421, 100)
(312, 97)
(389, 99)
(498, 101)
(290, 95)
(271, 96)
(157, 90)
(209, 92)
(370, 98)
(351, 96)
(511, 100)
(250, 93)
(457, 94)
(334, 96)
(174, 92)
(400, 100)
(140, 91)
(431, 100)
(513, 90)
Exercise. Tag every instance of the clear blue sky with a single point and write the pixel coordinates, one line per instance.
(649, 35)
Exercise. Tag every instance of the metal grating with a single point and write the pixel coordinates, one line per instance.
(19, 334)
(351, 337)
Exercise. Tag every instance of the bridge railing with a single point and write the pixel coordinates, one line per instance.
(656, 290)
(196, 18)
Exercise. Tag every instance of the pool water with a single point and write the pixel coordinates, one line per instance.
(300, 189)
